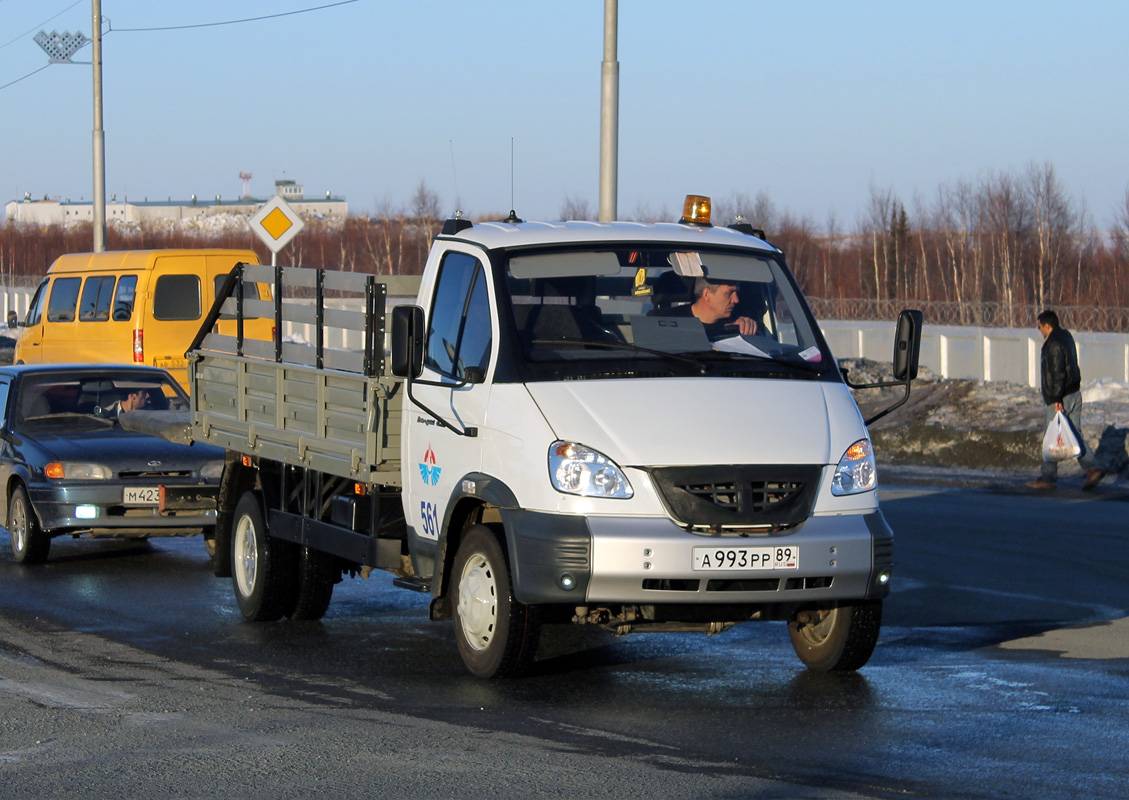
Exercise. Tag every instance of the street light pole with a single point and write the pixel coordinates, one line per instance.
(609, 115)
(99, 136)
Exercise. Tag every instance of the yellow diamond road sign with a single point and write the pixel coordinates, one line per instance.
(276, 223)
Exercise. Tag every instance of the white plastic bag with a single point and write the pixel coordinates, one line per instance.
(1060, 443)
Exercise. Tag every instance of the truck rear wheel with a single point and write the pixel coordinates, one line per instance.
(497, 636)
(836, 639)
(263, 570)
(317, 573)
(30, 544)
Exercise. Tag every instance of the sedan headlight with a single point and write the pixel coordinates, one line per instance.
(576, 469)
(856, 471)
(213, 470)
(74, 471)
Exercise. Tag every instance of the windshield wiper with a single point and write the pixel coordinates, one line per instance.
(702, 368)
(792, 360)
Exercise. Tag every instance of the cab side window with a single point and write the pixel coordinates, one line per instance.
(96, 295)
(123, 298)
(35, 308)
(64, 298)
(459, 334)
(177, 297)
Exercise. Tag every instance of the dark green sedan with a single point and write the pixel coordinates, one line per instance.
(69, 468)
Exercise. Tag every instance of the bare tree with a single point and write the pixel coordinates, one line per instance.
(1053, 226)
(575, 207)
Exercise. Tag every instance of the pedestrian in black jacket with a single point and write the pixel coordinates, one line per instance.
(1061, 384)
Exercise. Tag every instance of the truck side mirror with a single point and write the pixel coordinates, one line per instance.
(407, 341)
(907, 344)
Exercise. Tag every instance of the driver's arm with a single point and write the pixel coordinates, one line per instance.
(746, 326)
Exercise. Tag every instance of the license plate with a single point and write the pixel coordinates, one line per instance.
(716, 559)
(171, 363)
(141, 495)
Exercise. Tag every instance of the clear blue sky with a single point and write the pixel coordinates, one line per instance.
(811, 101)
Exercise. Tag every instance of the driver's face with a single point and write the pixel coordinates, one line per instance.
(136, 400)
(721, 300)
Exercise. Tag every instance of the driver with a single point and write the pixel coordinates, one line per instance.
(713, 306)
(134, 401)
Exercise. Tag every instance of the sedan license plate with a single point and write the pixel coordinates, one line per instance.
(141, 495)
(716, 559)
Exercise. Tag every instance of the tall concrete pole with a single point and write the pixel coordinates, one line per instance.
(609, 115)
(99, 135)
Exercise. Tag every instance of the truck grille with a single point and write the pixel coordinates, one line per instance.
(772, 496)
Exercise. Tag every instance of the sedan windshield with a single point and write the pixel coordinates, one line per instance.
(586, 311)
(50, 398)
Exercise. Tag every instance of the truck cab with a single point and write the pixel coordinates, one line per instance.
(589, 436)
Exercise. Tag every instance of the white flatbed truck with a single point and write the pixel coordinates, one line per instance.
(555, 435)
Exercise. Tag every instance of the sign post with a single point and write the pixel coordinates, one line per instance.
(276, 223)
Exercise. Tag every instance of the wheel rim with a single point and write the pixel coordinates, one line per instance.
(18, 528)
(478, 602)
(246, 555)
(819, 629)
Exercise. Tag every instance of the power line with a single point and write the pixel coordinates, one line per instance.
(17, 80)
(233, 21)
(40, 25)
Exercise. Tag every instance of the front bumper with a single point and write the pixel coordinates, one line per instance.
(98, 509)
(558, 558)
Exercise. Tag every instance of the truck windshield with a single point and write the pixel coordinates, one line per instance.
(618, 311)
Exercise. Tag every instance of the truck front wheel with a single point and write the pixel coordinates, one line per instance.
(836, 639)
(263, 570)
(497, 636)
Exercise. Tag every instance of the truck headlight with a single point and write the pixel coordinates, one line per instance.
(576, 469)
(856, 471)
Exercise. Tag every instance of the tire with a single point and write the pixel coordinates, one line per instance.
(316, 575)
(497, 636)
(263, 570)
(30, 544)
(836, 639)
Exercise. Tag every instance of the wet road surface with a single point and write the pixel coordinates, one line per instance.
(126, 670)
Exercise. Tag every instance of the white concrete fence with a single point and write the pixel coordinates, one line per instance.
(949, 351)
(989, 354)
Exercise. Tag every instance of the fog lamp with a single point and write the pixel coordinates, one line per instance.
(86, 512)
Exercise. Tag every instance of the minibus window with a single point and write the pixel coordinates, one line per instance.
(123, 300)
(96, 294)
(64, 298)
(35, 310)
(252, 291)
(177, 297)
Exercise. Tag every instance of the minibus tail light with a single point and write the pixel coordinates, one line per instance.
(139, 347)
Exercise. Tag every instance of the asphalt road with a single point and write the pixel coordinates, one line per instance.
(1003, 671)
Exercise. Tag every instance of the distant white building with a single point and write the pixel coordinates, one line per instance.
(67, 212)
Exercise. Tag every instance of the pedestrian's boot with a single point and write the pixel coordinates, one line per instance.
(1093, 478)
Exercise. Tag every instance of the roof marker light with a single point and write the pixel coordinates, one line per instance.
(696, 211)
